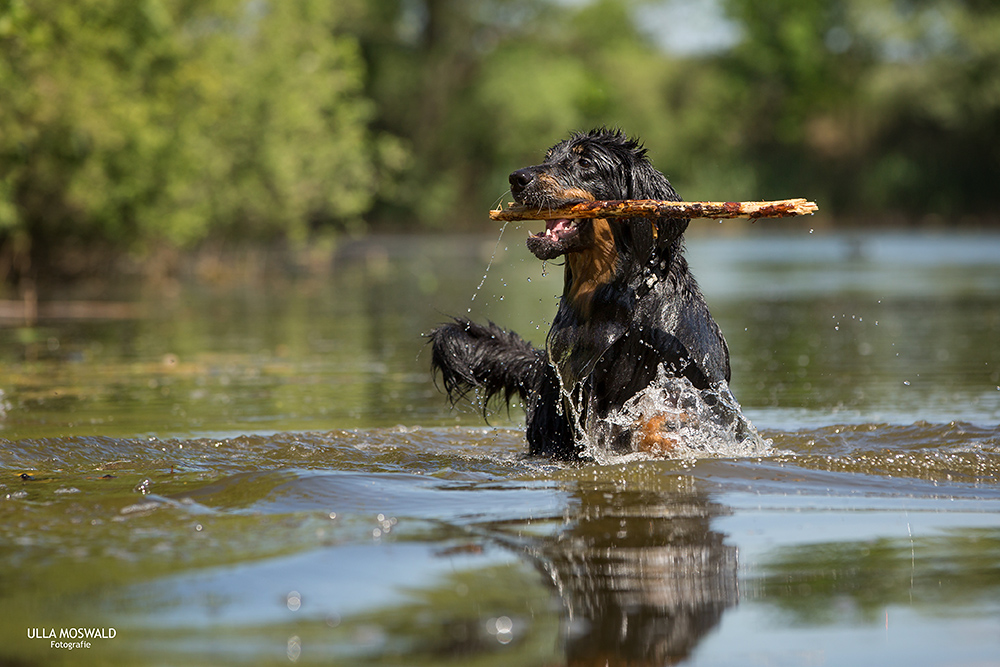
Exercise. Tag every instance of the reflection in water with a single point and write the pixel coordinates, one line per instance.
(858, 581)
(906, 335)
(642, 575)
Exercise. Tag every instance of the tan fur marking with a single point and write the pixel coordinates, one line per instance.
(652, 439)
(548, 180)
(552, 188)
(577, 193)
(592, 267)
(657, 434)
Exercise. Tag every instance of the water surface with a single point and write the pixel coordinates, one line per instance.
(263, 472)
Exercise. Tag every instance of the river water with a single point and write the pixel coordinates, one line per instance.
(240, 470)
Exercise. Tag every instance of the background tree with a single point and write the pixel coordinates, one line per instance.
(128, 124)
(131, 125)
(881, 108)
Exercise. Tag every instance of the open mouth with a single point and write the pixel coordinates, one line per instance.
(559, 237)
(558, 230)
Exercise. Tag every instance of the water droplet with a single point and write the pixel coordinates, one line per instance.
(294, 650)
(501, 628)
(490, 264)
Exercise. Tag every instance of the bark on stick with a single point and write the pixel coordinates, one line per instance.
(652, 208)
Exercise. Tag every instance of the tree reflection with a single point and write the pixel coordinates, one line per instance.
(838, 582)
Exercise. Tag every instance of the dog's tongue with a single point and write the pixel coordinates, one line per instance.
(558, 228)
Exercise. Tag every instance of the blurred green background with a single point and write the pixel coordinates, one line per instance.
(134, 131)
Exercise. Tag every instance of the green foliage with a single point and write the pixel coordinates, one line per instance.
(872, 107)
(140, 122)
(130, 124)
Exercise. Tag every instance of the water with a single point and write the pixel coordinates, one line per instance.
(264, 473)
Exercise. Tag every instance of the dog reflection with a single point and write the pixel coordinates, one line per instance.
(643, 577)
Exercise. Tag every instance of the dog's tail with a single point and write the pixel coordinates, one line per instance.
(487, 359)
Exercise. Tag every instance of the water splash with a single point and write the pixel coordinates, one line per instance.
(671, 418)
(488, 265)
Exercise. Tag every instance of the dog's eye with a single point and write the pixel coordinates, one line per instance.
(584, 163)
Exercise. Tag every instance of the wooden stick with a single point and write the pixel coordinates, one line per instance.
(653, 208)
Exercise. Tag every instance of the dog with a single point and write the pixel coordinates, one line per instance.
(630, 314)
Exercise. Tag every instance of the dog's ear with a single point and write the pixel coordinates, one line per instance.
(669, 230)
(643, 239)
(646, 182)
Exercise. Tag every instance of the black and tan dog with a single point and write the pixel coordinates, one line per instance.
(630, 309)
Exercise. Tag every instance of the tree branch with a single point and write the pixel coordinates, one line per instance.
(652, 208)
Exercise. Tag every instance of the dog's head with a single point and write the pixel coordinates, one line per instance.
(600, 164)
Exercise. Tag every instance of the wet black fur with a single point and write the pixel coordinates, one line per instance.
(651, 312)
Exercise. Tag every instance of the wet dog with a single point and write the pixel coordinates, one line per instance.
(630, 314)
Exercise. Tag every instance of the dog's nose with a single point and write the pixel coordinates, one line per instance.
(519, 180)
